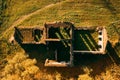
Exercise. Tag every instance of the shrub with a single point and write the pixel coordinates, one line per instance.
(20, 67)
(84, 77)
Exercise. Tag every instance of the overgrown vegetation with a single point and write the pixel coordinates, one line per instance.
(3, 7)
(20, 68)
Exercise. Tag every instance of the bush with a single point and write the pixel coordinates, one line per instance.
(20, 67)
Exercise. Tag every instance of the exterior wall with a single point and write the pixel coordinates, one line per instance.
(103, 40)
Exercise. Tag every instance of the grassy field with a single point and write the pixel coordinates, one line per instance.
(20, 8)
(83, 13)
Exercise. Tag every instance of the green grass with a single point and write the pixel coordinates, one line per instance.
(0, 12)
(16, 9)
(84, 14)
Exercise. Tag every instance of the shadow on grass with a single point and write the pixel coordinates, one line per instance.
(41, 52)
(59, 33)
(96, 64)
(113, 52)
(37, 51)
(84, 41)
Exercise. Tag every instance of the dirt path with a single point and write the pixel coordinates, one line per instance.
(21, 19)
